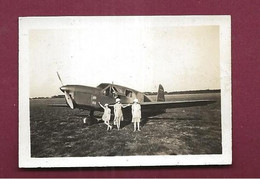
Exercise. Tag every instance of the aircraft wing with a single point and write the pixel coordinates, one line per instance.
(175, 104)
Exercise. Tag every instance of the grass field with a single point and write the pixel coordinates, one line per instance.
(60, 132)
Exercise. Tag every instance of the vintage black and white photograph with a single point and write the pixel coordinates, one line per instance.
(124, 91)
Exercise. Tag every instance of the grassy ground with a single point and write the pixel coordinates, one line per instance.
(60, 132)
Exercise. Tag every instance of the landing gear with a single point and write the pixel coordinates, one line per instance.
(89, 120)
(91, 114)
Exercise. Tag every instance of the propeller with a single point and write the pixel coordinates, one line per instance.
(59, 78)
(68, 98)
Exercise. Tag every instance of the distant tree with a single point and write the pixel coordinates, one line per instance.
(58, 96)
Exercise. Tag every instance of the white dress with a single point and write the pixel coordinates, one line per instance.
(118, 111)
(107, 114)
(136, 112)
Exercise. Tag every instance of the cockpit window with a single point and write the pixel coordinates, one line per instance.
(114, 89)
(110, 91)
(128, 93)
(107, 92)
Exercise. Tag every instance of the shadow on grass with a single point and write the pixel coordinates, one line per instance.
(86, 115)
(174, 118)
(143, 121)
(128, 122)
(125, 123)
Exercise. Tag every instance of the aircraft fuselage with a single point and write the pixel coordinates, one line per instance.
(85, 97)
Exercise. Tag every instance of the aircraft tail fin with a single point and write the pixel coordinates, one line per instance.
(160, 94)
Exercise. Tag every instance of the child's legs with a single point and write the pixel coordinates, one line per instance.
(107, 123)
(118, 123)
(115, 120)
(138, 125)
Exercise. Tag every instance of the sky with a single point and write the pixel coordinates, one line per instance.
(133, 53)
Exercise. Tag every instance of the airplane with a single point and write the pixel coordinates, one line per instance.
(87, 98)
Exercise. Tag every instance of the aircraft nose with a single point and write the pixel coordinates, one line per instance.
(63, 88)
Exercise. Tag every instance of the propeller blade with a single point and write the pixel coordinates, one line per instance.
(60, 78)
(67, 95)
(69, 99)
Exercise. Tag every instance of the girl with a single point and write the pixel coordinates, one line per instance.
(106, 115)
(118, 113)
(136, 114)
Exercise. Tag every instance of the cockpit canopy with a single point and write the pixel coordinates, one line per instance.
(115, 90)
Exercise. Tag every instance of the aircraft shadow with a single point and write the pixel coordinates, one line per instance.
(175, 118)
(143, 121)
(128, 122)
(97, 119)
(125, 123)
(85, 115)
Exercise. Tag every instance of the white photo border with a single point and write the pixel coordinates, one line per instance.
(25, 159)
